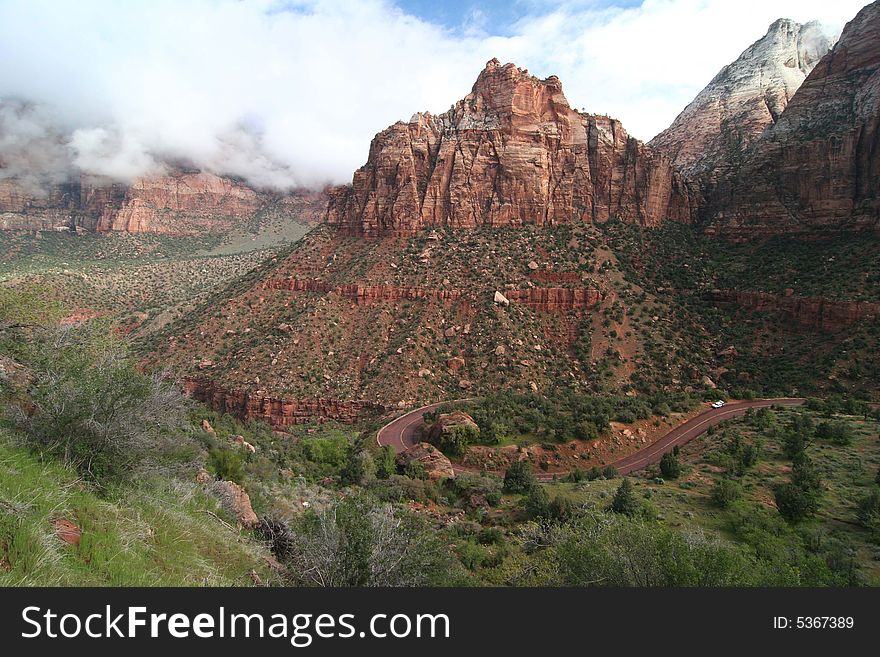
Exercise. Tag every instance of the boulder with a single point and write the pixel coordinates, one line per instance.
(436, 465)
(236, 501)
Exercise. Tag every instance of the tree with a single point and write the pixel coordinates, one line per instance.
(868, 510)
(359, 466)
(670, 468)
(837, 433)
(538, 503)
(386, 462)
(805, 475)
(625, 501)
(725, 492)
(519, 478)
(795, 503)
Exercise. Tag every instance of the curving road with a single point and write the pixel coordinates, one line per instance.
(400, 433)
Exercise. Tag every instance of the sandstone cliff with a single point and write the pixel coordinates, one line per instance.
(745, 98)
(512, 152)
(817, 168)
(277, 411)
(815, 312)
(179, 203)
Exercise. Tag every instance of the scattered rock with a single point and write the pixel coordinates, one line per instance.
(455, 363)
(206, 426)
(241, 442)
(500, 299)
(533, 265)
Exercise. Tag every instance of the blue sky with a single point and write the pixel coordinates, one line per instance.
(496, 17)
(290, 92)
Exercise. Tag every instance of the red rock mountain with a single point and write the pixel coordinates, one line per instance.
(179, 203)
(746, 97)
(512, 152)
(818, 167)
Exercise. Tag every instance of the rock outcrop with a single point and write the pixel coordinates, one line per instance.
(547, 299)
(436, 465)
(551, 299)
(277, 411)
(512, 152)
(179, 203)
(448, 422)
(817, 168)
(746, 97)
(236, 502)
(815, 312)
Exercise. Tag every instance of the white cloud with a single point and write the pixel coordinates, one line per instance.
(290, 93)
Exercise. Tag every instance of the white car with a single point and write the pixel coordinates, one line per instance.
(718, 404)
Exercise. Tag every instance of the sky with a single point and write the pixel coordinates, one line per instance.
(289, 93)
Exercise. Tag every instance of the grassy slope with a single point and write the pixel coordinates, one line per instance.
(847, 472)
(150, 534)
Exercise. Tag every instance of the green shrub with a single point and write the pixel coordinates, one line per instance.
(226, 464)
(670, 467)
(725, 492)
(519, 478)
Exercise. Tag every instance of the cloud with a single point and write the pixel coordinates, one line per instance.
(290, 93)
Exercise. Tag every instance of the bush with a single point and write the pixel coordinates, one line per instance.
(226, 464)
(519, 478)
(837, 433)
(610, 472)
(725, 492)
(669, 466)
(91, 407)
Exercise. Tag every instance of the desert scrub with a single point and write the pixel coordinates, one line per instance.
(157, 533)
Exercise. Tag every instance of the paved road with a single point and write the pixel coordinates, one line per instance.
(400, 433)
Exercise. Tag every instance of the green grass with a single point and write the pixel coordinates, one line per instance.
(154, 533)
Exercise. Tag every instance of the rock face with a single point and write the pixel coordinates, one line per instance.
(179, 203)
(512, 152)
(277, 411)
(815, 312)
(67, 206)
(189, 203)
(817, 168)
(437, 466)
(746, 97)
